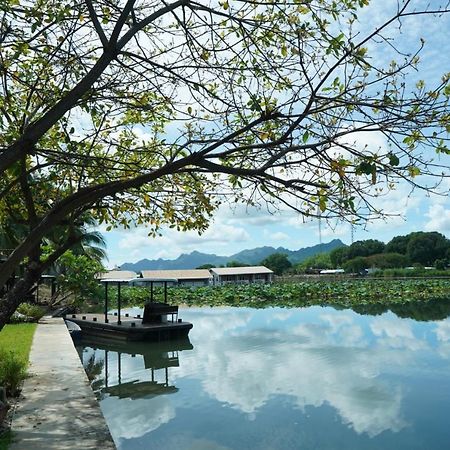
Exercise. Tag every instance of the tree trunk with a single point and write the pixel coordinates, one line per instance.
(12, 299)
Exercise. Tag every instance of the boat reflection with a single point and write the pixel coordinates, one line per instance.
(107, 364)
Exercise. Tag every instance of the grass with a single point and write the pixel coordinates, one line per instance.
(15, 345)
(18, 338)
(5, 440)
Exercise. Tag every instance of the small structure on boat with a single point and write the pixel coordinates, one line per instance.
(154, 325)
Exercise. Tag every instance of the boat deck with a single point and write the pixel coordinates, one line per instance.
(129, 328)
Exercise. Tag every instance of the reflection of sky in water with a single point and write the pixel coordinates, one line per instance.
(278, 378)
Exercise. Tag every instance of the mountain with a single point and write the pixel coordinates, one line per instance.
(256, 255)
(253, 256)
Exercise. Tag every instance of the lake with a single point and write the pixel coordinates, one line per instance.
(277, 378)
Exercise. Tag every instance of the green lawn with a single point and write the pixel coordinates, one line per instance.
(5, 440)
(15, 338)
(18, 338)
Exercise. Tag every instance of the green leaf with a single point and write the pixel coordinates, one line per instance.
(414, 171)
(322, 203)
(393, 160)
(364, 168)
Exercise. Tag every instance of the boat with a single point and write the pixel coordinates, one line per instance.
(155, 324)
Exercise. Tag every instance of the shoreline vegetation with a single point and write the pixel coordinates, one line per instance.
(360, 294)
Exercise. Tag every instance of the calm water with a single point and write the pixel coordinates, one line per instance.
(313, 378)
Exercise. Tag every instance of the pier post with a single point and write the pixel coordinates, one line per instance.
(106, 302)
(119, 303)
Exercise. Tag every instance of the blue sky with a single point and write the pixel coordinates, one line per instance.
(238, 228)
(232, 231)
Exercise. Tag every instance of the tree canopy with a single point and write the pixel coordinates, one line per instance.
(419, 247)
(277, 262)
(148, 112)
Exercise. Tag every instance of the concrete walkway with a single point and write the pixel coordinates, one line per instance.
(58, 409)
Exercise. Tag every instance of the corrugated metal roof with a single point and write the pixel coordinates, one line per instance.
(117, 275)
(252, 270)
(193, 274)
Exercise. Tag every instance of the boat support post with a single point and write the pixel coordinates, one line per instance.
(119, 303)
(106, 302)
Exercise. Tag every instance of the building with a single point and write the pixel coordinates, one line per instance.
(193, 277)
(114, 275)
(241, 275)
(332, 271)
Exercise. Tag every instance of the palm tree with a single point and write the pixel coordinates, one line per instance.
(91, 242)
(86, 240)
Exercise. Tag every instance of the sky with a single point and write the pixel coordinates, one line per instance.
(237, 228)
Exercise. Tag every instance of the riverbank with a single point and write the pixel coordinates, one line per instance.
(57, 409)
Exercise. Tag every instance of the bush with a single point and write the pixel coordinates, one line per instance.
(27, 313)
(356, 265)
(33, 311)
(12, 371)
(411, 273)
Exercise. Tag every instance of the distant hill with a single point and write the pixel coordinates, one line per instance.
(252, 256)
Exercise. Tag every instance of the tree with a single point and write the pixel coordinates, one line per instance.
(398, 244)
(271, 101)
(277, 262)
(426, 248)
(356, 265)
(206, 266)
(387, 261)
(319, 261)
(365, 248)
(338, 256)
(236, 264)
(76, 278)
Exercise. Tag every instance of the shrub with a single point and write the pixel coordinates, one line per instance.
(12, 371)
(411, 273)
(33, 311)
(27, 313)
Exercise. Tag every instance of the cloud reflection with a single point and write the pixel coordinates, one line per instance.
(130, 419)
(322, 362)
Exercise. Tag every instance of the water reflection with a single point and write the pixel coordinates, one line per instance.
(311, 363)
(126, 376)
(429, 310)
(281, 379)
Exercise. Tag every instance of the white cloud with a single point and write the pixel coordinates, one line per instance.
(438, 218)
(390, 327)
(243, 369)
(396, 333)
(443, 331)
(275, 235)
(129, 418)
(251, 215)
(136, 244)
(342, 230)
